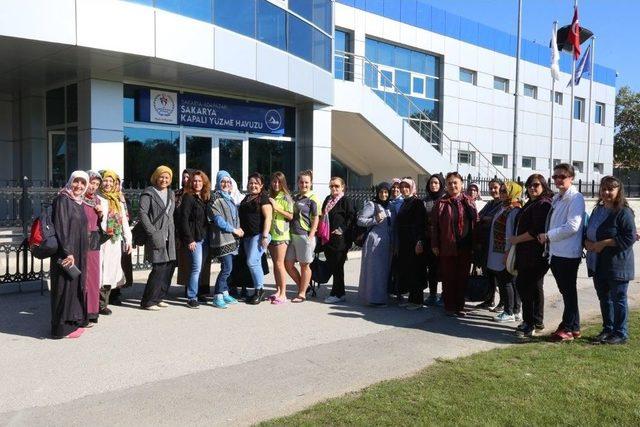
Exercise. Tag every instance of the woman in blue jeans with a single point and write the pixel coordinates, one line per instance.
(610, 235)
(192, 229)
(255, 212)
(224, 232)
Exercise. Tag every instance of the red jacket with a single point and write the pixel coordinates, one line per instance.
(442, 227)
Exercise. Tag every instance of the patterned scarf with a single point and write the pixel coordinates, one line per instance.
(514, 191)
(90, 199)
(115, 214)
(331, 203)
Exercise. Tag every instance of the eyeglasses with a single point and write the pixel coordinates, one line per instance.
(334, 186)
(225, 181)
(534, 185)
(560, 177)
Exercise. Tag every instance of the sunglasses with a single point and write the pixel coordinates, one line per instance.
(560, 177)
(534, 185)
(334, 186)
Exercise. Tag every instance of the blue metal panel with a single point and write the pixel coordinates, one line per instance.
(529, 51)
(391, 10)
(408, 10)
(468, 31)
(347, 2)
(486, 37)
(513, 45)
(371, 50)
(452, 25)
(360, 4)
(502, 42)
(375, 6)
(437, 20)
(423, 12)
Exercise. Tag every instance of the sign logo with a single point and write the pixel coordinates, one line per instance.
(273, 119)
(163, 107)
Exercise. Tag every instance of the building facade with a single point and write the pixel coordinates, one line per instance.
(363, 89)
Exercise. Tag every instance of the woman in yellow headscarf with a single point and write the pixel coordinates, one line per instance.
(116, 225)
(502, 229)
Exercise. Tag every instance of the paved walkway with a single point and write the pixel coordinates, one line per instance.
(238, 366)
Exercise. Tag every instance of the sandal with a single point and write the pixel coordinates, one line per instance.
(278, 301)
(298, 299)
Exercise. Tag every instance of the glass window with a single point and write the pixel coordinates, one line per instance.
(371, 50)
(342, 64)
(418, 85)
(199, 153)
(54, 106)
(230, 151)
(556, 162)
(403, 81)
(578, 166)
(599, 116)
(386, 54)
(144, 150)
(558, 98)
(578, 109)
(432, 65)
(321, 55)
(499, 160)
(72, 149)
(72, 103)
(529, 162)
(272, 24)
(268, 156)
(433, 90)
(531, 91)
(316, 11)
(370, 75)
(501, 84)
(428, 107)
(58, 150)
(467, 76)
(467, 158)
(418, 62)
(237, 15)
(299, 38)
(196, 9)
(402, 58)
(598, 168)
(386, 78)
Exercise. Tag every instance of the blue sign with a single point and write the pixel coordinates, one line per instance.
(222, 113)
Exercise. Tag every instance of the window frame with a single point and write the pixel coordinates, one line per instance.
(533, 88)
(558, 99)
(532, 166)
(472, 157)
(578, 165)
(602, 111)
(503, 80)
(598, 167)
(503, 157)
(581, 102)
(424, 86)
(472, 73)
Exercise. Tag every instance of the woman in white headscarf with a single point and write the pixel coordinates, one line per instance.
(68, 311)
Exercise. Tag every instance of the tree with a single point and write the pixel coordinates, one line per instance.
(626, 142)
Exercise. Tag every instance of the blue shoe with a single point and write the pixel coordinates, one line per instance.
(229, 299)
(219, 303)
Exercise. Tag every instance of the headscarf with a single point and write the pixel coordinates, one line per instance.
(188, 171)
(90, 198)
(235, 192)
(159, 171)
(412, 185)
(514, 191)
(379, 188)
(477, 187)
(219, 177)
(113, 196)
(435, 195)
(395, 181)
(68, 188)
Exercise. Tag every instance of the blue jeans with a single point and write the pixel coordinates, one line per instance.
(613, 306)
(253, 251)
(196, 266)
(222, 282)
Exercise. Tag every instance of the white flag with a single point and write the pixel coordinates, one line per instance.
(555, 55)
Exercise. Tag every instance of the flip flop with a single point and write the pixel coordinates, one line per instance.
(298, 300)
(272, 297)
(278, 301)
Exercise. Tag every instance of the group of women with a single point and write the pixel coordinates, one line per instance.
(408, 244)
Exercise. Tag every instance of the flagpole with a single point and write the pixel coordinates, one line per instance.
(573, 72)
(553, 102)
(593, 52)
(514, 163)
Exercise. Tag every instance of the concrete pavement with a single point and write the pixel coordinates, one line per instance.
(235, 366)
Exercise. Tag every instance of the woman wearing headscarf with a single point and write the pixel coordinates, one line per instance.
(157, 205)
(378, 218)
(473, 191)
(435, 191)
(182, 252)
(93, 211)
(338, 209)
(453, 220)
(116, 225)
(502, 229)
(68, 310)
(411, 238)
(395, 201)
(224, 234)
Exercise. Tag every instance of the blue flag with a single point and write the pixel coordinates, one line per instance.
(584, 67)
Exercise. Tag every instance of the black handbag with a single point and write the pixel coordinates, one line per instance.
(478, 287)
(320, 270)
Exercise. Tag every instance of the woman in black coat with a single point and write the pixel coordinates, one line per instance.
(435, 190)
(341, 213)
(411, 225)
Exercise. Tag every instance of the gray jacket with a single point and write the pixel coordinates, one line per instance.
(161, 246)
(223, 217)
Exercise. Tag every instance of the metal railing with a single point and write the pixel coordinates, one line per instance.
(359, 69)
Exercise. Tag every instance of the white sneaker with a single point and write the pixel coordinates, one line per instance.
(518, 317)
(152, 308)
(334, 300)
(504, 317)
(162, 304)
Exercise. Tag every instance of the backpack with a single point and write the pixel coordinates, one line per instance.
(43, 242)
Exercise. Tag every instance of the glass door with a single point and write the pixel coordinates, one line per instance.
(57, 157)
(198, 150)
(232, 158)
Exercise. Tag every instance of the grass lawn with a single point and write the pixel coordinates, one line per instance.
(535, 383)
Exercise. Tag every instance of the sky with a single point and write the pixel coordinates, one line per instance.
(614, 22)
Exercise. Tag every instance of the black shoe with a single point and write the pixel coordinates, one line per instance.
(522, 326)
(202, 299)
(615, 340)
(601, 337)
(539, 327)
(192, 303)
(105, 311)
(257, 297)
(115, 301)
(93, 320)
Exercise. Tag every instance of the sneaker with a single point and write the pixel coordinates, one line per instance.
(229, 299)
(522, 326)
(527, 332)
(498, 308)
(413, 306)
(193, 303)
(518, 317)
(162, 304)
(202, 299)
(562, 336)
(539, 327)
(504, 317)
(601, 337)
(334, 300)
(152, 308)
(615, 340)
(219, 303)
(431, 300)
(105, 311)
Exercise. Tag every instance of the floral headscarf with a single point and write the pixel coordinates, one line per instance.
(90, 198)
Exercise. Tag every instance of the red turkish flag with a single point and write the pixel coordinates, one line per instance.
(574, 34)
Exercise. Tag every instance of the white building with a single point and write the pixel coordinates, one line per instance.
(365, 89)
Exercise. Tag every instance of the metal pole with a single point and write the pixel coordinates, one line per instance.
(593, 51)
(553, 103)
(573, 72)
(514, 163)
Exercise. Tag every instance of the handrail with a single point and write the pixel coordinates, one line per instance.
(426, 127)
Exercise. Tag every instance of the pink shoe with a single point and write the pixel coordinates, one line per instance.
(272, 297)
(278, 301)
(76, 333)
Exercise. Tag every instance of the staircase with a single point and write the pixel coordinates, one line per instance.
(400, 120)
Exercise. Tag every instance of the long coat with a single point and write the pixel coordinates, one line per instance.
(410, 226)
(161, 240)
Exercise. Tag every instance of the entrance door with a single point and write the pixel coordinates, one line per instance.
(198, 150)
(232, 157)
(57, 157)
